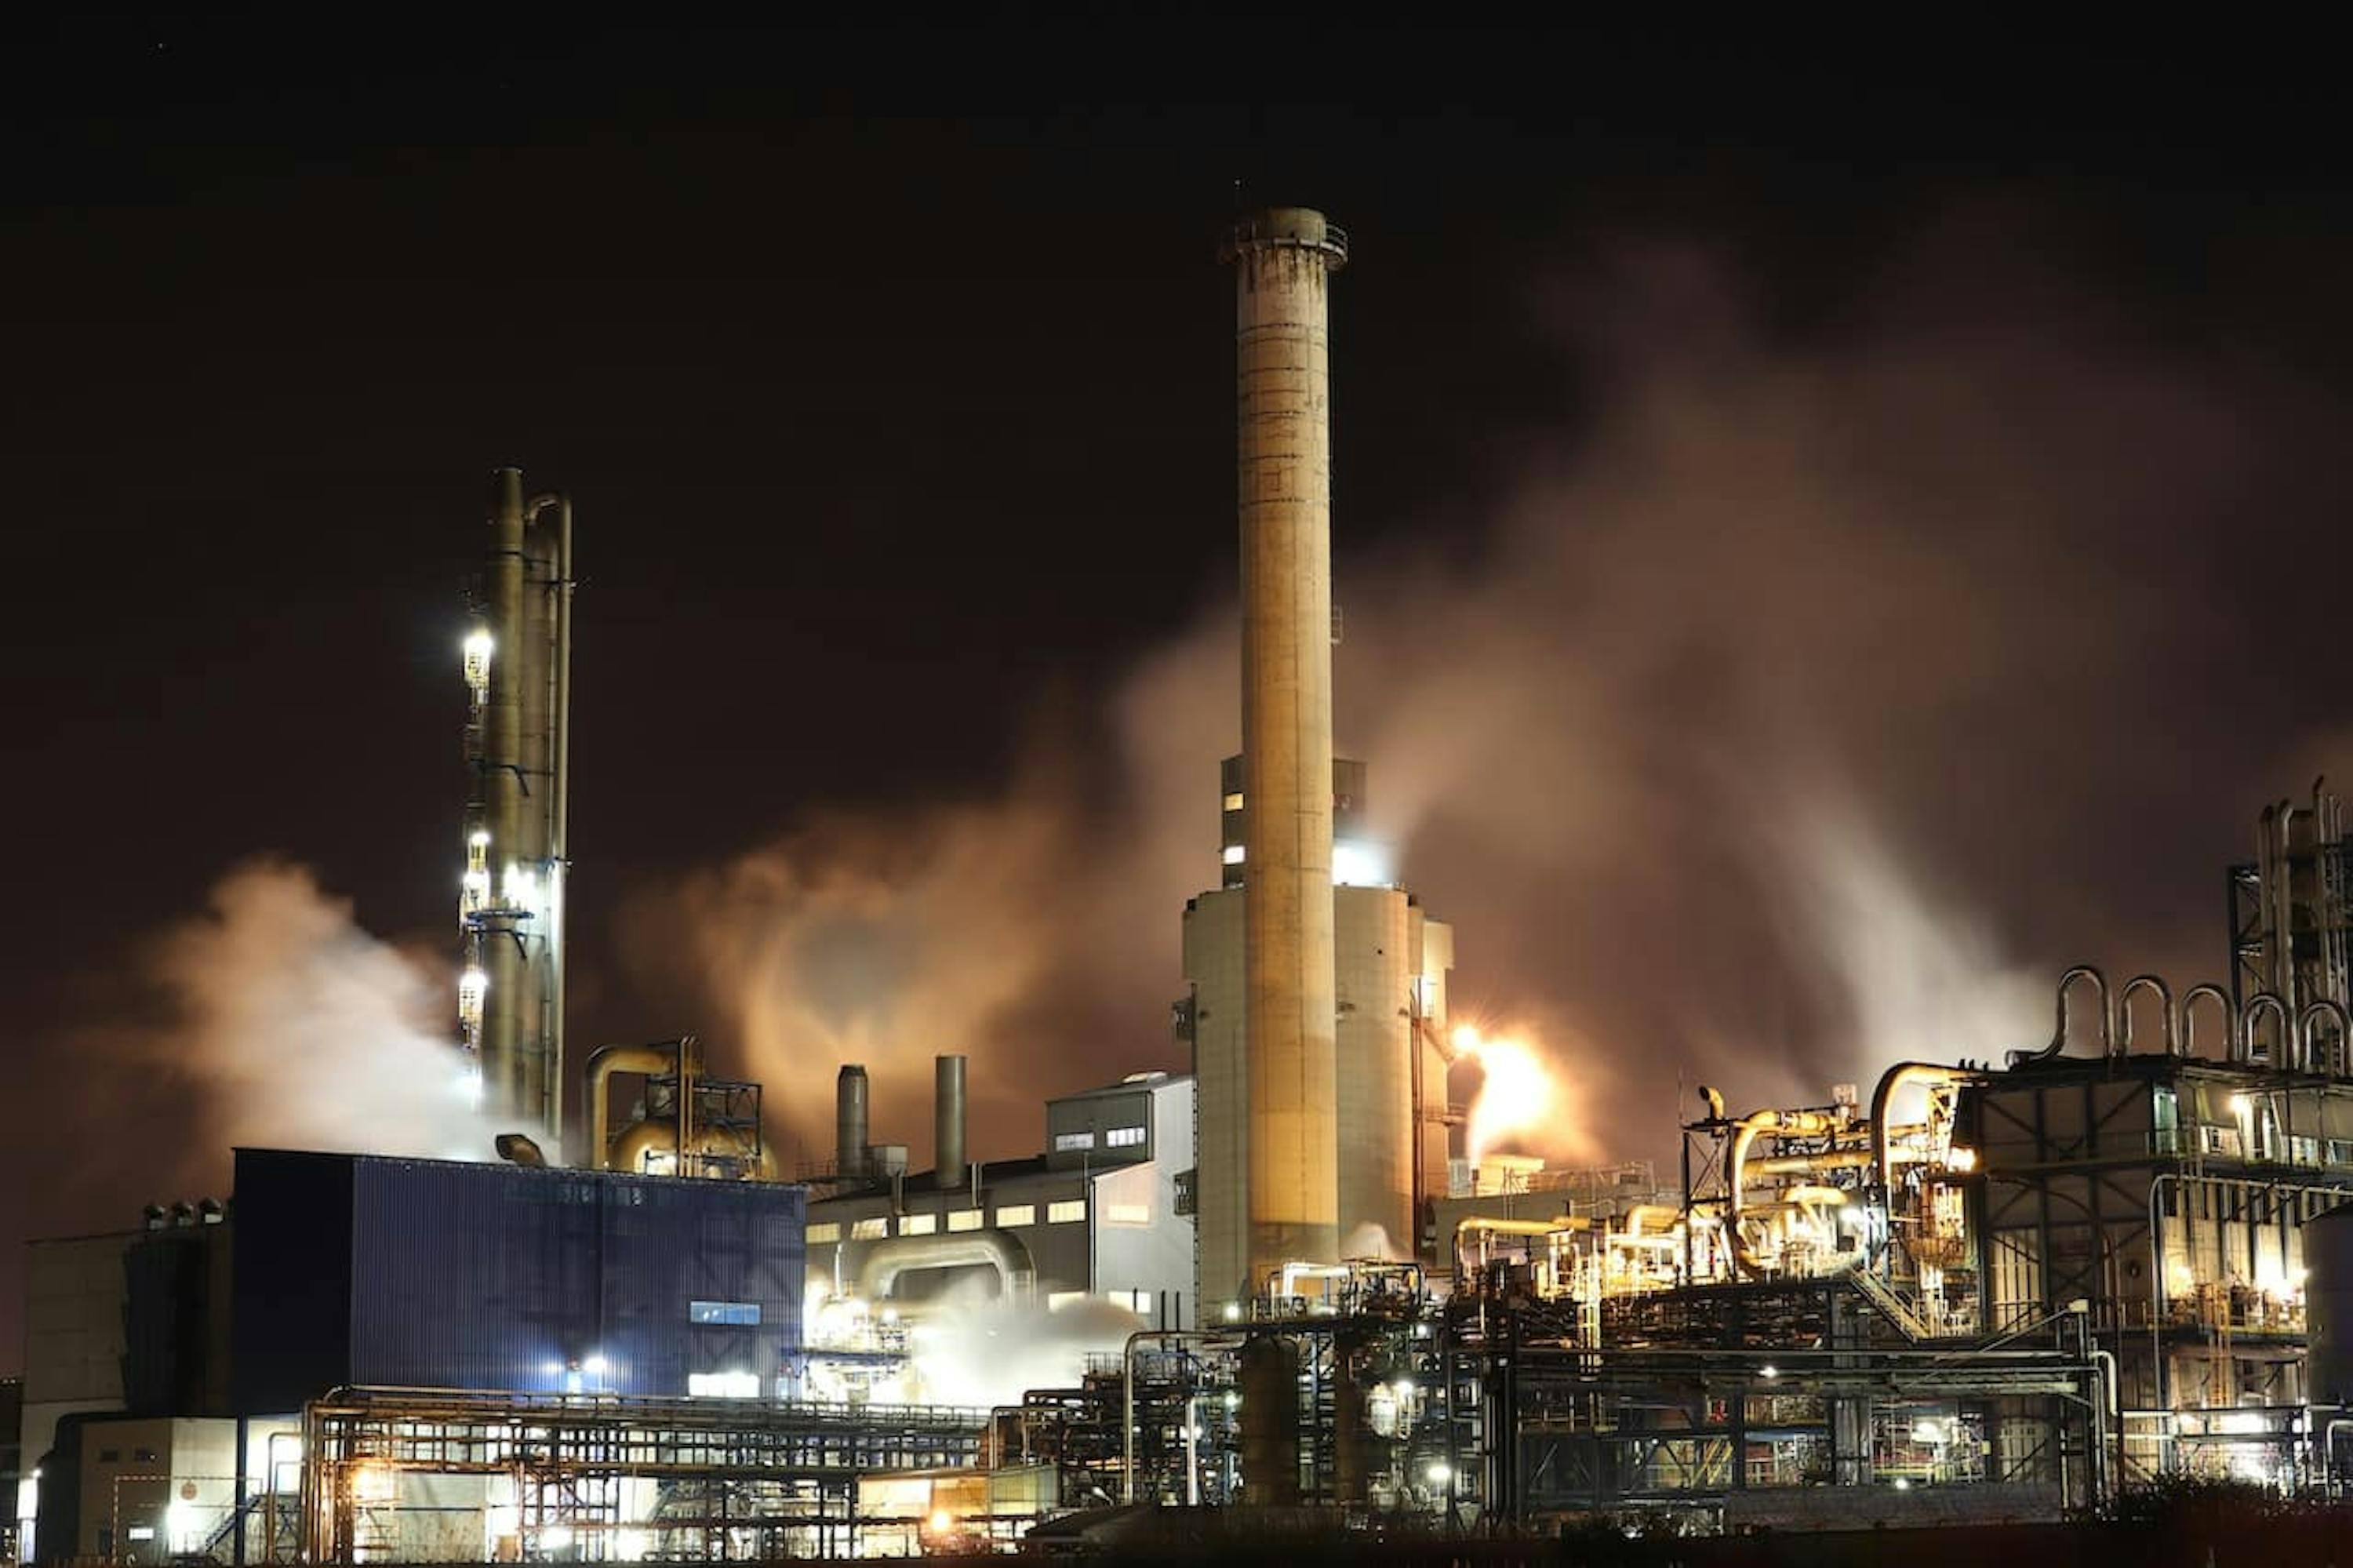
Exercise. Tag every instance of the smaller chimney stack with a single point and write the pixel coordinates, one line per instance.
(849, 1130)
(947, 1109)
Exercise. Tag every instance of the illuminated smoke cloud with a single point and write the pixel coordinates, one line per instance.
(1805, 705)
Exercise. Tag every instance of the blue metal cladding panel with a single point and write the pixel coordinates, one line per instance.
(497, 1276)
(290, 1329)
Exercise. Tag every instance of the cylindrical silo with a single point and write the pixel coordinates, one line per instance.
(849, 1130)
(1283, 260)
(2328, 1307)
(1374, 1087)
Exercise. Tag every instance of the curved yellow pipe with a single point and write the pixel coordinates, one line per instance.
(603, 1062)
(1793, 1123)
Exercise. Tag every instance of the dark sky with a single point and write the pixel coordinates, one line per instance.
(892, 373)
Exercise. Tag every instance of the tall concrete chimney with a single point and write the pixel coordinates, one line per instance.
(947, 1121)
(1283, 260)
(850, 1131)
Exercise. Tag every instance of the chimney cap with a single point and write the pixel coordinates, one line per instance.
(1290, 228)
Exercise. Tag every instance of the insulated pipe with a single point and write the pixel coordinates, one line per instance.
(1796, 1124)
(1807, 1164)
(947, 1121)
(1284, 258)
(849, 1130)
(1883, 1164)
(1486, 1226)
(1641, 1214)
(2324, 1008)
(533, 667)
(2257, 1005)
(603, 1062)
(2059, 1029)
(2208, 991)
(2122, 1044)
(887, 1259)
(559, 846)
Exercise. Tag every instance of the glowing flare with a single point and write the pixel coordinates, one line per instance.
(1515, 1096)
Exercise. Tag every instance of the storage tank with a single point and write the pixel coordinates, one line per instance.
(2328, 1307)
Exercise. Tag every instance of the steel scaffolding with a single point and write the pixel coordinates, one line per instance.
(730, 1479)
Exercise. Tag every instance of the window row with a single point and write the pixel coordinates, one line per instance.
(875, 1227)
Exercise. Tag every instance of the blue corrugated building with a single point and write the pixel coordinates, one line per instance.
(357, 1269)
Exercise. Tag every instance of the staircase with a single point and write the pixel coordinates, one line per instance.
(1892, 1305)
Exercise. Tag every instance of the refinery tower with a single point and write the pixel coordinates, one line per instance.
(518, 661)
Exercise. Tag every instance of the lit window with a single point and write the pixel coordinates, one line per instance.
(964, 1219)
(2303, 1151)
(1126, 1213)
(745, 1313)
(1123, 1138)
(1065, 1142)
(869, 1230)
(723, 1385)
(1065, 1212)
(1017, 1214)
(1234, 801)
(1058, 1299)
(1235, 854)
(831, 1231)
(918, 1224)
(2341, 1151)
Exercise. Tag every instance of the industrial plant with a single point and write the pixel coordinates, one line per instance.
(1268, 1277)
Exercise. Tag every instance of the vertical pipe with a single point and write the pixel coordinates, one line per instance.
(948, 1121)
(849, 1123)
(559, 849)
(534, 666)
(503, 1019)
(1283, 260)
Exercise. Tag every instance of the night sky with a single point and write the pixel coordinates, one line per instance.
(892, 374)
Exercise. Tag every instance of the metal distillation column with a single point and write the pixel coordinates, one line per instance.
(510, 999)
(1283, 260)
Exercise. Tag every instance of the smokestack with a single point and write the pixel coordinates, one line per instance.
(947, 1114)
(849, 1123)
(1283, 260)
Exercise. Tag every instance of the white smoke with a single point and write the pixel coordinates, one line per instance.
(985, 1352)
(291, 1026)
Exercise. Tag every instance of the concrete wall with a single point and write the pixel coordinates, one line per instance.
(1213, 965)
(1383, 943)
(73, 1333)
(1374, 1074)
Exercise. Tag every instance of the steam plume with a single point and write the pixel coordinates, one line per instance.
(1807, 707)
(289, 1025)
